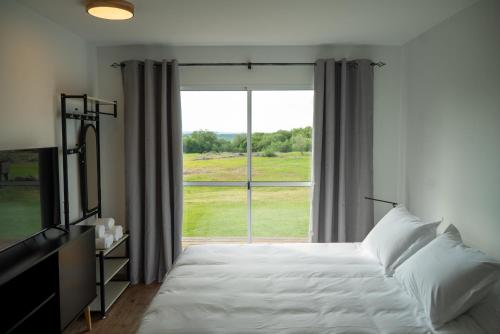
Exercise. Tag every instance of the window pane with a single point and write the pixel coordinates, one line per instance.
(282, 135)
(214, 135)
(280, 214)
(214, 214)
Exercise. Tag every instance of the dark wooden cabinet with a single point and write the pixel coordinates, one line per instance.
(47, 281)
(76, 276)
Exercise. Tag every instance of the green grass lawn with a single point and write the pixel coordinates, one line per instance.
(215, 211)
(292, 166)
(222, 211)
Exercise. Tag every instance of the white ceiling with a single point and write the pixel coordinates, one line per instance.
(256, 22)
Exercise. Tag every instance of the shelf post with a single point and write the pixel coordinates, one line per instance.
(101, 285)
(65, 161)
(98, 135)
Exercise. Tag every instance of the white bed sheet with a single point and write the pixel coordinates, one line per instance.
(285, 288)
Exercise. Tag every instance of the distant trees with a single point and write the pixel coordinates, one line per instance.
(297, 140)
(238, 144)
(201, 142)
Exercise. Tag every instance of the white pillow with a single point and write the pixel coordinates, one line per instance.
(447, 277)
(486, 313)
(396, 237)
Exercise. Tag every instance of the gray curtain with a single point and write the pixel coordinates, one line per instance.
(343, 151)
(153, 167)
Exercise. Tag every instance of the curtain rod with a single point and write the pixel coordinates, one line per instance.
(249, 64)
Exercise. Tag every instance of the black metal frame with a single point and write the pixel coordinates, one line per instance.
(82, 150)
(102, 291)
(79, 149)
(92, 116)
(394, 204)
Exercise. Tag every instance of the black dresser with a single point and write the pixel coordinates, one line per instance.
(47, 280)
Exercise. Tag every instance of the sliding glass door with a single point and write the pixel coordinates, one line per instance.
(215, 166)
(281, 164)
(247, 165)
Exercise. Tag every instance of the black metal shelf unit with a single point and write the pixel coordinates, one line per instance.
(107, 265)
(91, 105)
(109, 287)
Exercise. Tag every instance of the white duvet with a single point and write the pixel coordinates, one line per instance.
(285, 288)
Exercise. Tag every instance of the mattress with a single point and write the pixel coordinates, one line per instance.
(285, 288)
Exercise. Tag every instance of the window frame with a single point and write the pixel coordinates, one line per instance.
(249, 184)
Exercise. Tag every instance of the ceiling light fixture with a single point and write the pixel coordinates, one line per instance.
(110, 9)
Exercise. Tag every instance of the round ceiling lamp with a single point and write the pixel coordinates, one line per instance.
(110, 9)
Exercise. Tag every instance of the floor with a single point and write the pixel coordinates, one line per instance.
(125, 315)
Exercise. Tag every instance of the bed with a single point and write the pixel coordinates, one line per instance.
(286, 288)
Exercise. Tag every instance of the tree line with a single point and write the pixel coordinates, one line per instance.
(295, 140)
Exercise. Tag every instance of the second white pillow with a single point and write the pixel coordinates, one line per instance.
(447, 277)
(396, 237)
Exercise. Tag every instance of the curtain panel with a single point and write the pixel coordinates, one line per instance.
(153, 167)
(343, 151)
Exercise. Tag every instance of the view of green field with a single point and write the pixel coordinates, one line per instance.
(216, 137)
(291, 166)
(222, 211)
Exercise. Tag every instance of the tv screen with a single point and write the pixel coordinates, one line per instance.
(29, 193)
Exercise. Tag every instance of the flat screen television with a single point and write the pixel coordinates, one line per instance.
(29, 193)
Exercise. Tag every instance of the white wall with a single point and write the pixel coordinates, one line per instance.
(387, 100)
(39, 60)
(452, 106)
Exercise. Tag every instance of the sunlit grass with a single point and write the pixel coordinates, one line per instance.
(222, 211)
(293, 166)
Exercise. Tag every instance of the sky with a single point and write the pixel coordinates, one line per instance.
(226, 111)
